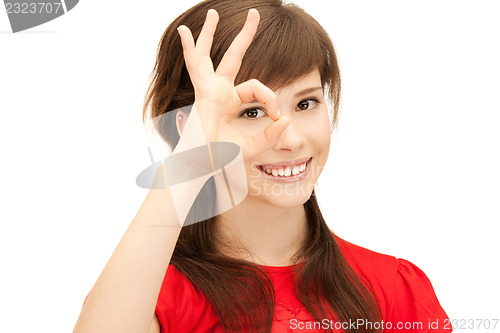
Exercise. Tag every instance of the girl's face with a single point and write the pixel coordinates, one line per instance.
(284, 176)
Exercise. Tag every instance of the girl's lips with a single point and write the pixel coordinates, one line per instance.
(286, 163)
(291, 178)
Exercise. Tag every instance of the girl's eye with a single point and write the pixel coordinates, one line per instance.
(307, 104)
(252, 113)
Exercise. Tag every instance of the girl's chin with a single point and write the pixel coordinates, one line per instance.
(289, 202)
(288, 196)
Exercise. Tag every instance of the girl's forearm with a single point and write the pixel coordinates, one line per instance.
(124, 296)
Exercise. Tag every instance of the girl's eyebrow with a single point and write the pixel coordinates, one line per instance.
(307, 91)
(297, 95)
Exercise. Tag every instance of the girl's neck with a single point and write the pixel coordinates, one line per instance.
(261, 233)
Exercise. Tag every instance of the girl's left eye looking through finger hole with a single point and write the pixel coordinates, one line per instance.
(253, 113)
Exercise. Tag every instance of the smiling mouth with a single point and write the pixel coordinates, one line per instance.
(286, 172)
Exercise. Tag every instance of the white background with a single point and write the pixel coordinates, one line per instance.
(413, 169)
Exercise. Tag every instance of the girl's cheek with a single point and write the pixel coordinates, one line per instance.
(317, 123)
(321, 134)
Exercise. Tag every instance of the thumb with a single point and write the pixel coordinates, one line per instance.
(273, 131)
(267, 138)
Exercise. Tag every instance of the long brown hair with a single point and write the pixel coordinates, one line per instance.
(289, 43)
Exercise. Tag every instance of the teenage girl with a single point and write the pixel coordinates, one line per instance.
(263, 75)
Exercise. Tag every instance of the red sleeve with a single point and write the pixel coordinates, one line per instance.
(414, 303)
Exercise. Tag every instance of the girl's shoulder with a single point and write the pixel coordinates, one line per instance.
(367, 262)
(403, 291)
(377, 267)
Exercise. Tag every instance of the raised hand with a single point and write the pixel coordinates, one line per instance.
(217, 100)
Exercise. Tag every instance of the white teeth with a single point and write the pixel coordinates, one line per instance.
(286, 171)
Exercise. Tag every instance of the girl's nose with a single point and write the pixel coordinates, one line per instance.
(291, 138)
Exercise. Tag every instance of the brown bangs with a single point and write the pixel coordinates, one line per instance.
(284, 49)
(289, 44)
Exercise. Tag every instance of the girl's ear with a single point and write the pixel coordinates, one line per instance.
(180, 121)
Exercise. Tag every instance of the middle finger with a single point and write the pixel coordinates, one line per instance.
(231, 61)
(206, 37)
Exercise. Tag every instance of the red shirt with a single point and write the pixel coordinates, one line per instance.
(404, 293)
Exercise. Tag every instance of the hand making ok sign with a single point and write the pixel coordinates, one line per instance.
(217, 100)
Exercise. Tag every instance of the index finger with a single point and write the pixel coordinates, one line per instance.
(231, 61)
(254, 90)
